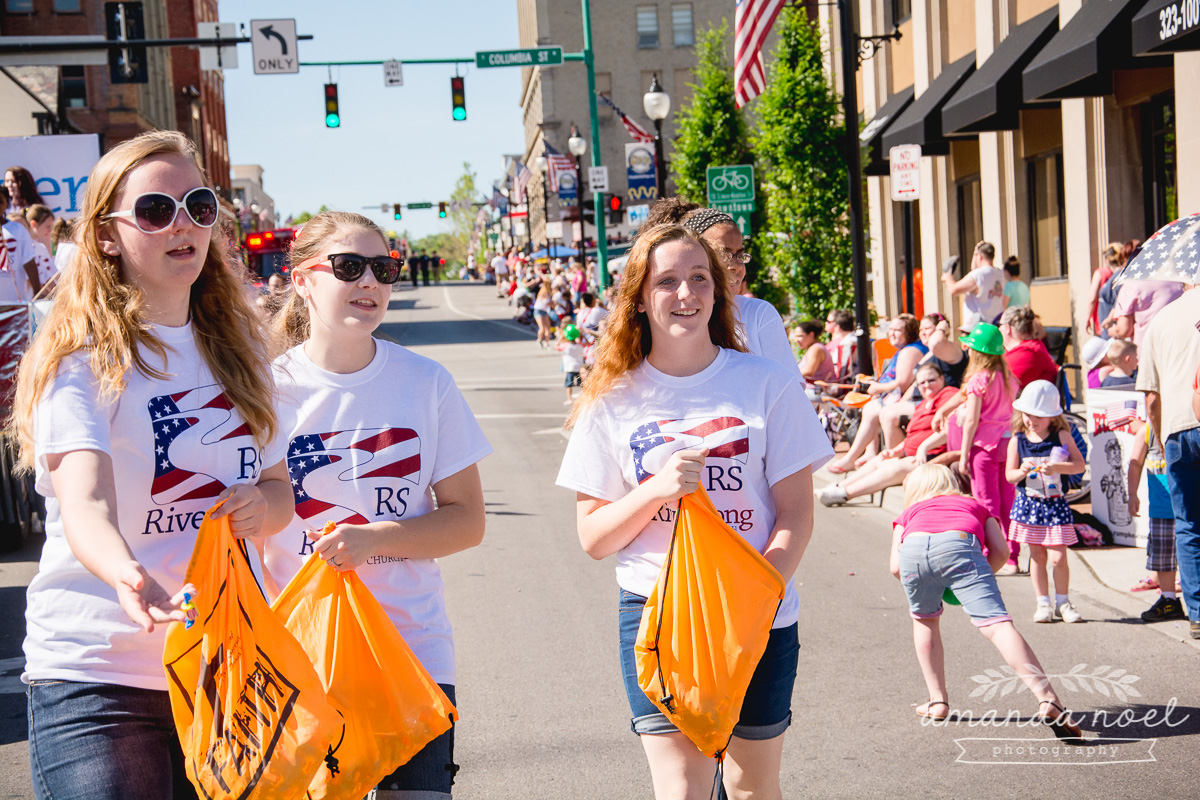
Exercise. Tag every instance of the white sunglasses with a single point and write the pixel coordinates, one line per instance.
(155, 212)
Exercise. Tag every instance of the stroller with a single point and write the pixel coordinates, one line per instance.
(524, 310)
(839, 402)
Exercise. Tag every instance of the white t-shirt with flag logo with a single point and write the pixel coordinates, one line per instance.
(765, 333)
(175, 445)
(367, 447)
(749, 411)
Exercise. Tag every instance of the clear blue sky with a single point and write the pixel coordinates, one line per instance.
(395, 144)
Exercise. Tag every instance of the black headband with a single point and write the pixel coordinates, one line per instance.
(704, 219)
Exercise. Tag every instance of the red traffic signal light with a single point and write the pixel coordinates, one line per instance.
(616, 203)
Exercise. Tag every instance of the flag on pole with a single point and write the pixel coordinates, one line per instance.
(556, 164)
(638, 133)
(752, 22)
(522, 180)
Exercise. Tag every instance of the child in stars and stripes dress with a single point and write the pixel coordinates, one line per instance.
(1040, 452)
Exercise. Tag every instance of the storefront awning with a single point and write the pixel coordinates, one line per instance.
(921, 122)
(872, 134)
(991, 99)
(1167, 26)
(1080, 59)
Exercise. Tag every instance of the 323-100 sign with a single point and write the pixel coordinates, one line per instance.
(1177, 18)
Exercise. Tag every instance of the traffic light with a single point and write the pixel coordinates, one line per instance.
(396, 210)
(458, 100)
(442, 210)
(333, 119)
(588, 211)
(616, 209)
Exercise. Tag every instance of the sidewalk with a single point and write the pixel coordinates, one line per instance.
(1103, 574)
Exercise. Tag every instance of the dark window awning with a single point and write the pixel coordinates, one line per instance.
(872, 134)
(921, 122)
(1080, 59)
(1167, 26)
(991, 100)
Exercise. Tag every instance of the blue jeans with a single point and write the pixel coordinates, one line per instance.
(103, 742)
(1182, 450)
(767, 707)
(430, 773)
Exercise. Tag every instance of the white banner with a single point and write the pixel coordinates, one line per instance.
(554, 230)
(59, 165)
(1110, 413)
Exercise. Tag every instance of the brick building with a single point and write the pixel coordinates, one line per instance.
(199, 94)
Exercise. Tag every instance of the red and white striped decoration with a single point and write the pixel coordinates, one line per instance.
(752, 22)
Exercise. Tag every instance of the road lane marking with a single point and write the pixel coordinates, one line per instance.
(507, 325)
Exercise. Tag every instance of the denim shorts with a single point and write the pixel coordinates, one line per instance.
(572, 379)
(541, 312)
(767, 708)
(932, 562)
(430, 773)
(103, 741)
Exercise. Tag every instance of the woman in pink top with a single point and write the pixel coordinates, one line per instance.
(817, 363)
(986, 421)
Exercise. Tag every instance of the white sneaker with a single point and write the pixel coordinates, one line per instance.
(1044, 613)
(1067, 613)
(832, 495)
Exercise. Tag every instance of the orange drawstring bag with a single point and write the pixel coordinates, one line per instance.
(706, 625)
(390, 705)
(251, 714)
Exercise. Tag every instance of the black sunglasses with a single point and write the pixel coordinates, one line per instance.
(350, 267)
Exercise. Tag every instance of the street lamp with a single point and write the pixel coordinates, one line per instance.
(541, 163)
(657, 104)
(578, 146)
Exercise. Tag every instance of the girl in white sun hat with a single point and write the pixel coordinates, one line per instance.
(1040, 452)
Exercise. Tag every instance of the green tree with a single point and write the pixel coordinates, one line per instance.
(799, 147)
(712, 131)
(461, 214)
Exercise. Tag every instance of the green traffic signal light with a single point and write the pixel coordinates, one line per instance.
(396, 211)
(333, 119)
(458, 99)
(442, 210)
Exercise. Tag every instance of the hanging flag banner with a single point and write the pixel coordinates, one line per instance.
(568, 188)
(640, 172)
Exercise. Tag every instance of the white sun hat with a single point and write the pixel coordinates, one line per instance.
(1093, 352)
(1040, 399)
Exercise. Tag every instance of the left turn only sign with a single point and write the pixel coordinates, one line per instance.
(274, 44)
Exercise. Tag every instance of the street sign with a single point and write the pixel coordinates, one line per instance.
(383, 207)
(742, 218)
(731, 184)
(529, 57)
(638, 214)
(393, 74)
(223, 57)
(273, 42)
(412, 206)
(905, 163)
(554, 230)
(598, 178)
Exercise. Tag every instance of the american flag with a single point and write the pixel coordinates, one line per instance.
(1119, 414)
(655, 442)
(522, 180)
(184, 423)
(1171, 254)
(752, 22)
(320, 464)
(557, 164)
(638, 133)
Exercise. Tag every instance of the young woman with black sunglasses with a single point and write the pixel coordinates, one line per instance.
(372, 428)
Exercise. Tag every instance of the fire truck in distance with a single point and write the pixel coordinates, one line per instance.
(266, 251)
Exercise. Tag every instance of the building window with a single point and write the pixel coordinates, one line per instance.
(66, 7)
(896, 12)
(74, 87)
(19, 6)
(683, 33)
(1047, 217)
(1158, 160)
(647, 26)
(970, 220)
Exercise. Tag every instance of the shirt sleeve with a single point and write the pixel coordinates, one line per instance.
(460, 440)
(794, 436)
(590, 464)
(70, 416)
(773, 340)
(1147, 374)
(978, 385)
(1126, 301)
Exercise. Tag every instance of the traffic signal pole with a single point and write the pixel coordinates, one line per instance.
(854, 172)
(597, 160)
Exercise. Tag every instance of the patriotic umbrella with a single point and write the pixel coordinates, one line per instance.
(1171, 254)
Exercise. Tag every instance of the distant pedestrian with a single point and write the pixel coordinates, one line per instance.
(938, 545)
(22, 189)
(1025, 353)
(21, 282)
(982, 288)
(1016, 291)
(1147, 456)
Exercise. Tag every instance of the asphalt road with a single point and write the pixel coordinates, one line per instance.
(543, 710)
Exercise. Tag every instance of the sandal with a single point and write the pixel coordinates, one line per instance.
(1062, 725)
(925, 714)
(1146, 584)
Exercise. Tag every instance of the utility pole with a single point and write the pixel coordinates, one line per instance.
(598, 197)
(854, 171)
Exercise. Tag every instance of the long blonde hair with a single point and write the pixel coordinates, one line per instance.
(626, 342)
(994, 365)
(96, 309)
(290, 325)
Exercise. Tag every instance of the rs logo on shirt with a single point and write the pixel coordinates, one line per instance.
(189, 429)
(325, 466)
(655, 442)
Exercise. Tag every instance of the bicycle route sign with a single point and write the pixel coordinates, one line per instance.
(731, 184)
